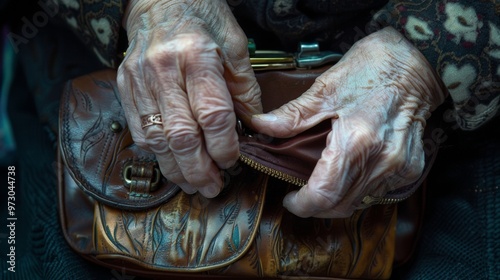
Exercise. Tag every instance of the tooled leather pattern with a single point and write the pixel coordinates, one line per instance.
(227, 236)
(358, 247)
(93, 153)
(189, 232)
(232, 234)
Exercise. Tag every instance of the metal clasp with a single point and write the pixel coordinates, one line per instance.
(133, 173)
(308, 56)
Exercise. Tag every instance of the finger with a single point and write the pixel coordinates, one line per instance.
(130, 85)
(295, 204)
(212, 106)
(246, 94)
(138, 101)
(406, 157)
(185, 141)
(155, 138)
(184, 136)
(297, 115)
(340, 178)
(239, 74)
(322, 192)
(243, 87)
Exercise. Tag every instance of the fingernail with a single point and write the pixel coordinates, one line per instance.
(266, 117)
(211, 190)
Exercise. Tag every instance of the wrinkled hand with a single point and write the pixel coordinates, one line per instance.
(378, 98)
(188, 61)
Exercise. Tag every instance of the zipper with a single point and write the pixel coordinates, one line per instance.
(272, 172)
(371, 200)
(261, 167)
(367, 200)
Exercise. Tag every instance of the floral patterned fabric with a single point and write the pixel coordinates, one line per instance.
(97, 23)
(461, 39)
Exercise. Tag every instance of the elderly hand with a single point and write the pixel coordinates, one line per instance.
(378, 98)
(188, 61)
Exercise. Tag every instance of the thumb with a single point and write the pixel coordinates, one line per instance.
(295, 116)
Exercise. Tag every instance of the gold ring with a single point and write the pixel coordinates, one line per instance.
(149, 120)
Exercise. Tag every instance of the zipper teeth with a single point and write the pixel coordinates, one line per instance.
(272, 172)
(391, 200)
(300, 182)
(387, 200)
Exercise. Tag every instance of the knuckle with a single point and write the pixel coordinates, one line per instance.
(414, 167)
(140, 142)
(156, 141)
(192, 41)
(178, 47)
(128, 67)
(126, 73)
(292, 109)
(365, 139)
(198, 174)
(252, 94)
(408, 168)
(195, 180)
(180, 51)
(214, 122)
(324, 199)
(368, 135)
(172, 175)
(154, 60)
(157, 145)
(183, 142)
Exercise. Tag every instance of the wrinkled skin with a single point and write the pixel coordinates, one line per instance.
(378, 98)
(188, 60)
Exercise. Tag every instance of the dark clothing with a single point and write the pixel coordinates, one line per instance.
(41, 250)
(462, 225)
(461, 40)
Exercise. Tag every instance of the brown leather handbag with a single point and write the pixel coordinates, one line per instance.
(116, 208)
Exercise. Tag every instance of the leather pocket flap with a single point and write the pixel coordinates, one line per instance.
(98, 150)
